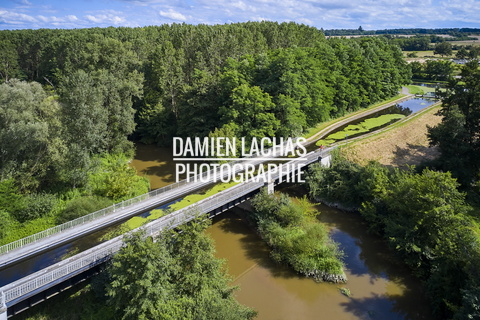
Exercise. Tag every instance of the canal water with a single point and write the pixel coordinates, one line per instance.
(381, 288)
(376, 121)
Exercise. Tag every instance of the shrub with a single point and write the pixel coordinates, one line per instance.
(35, 206)
(82, 206)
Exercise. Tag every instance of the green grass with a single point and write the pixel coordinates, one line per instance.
(322, 125)
(396, 124)
(413, 89)
(136, 222)
(363, 127)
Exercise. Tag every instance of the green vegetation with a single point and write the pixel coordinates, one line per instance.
(322, 125)
(79, 207)
(297, 237)
(432, 70)
(345, 291)
(423, 217)
(458, 135)
(256, 78)
(364, 126)
(420, 90)
(177, 276)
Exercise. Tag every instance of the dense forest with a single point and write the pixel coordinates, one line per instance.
(72, 101)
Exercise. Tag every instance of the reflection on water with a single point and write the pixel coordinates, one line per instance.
(376, 120)
(156, 163)
(380, 287)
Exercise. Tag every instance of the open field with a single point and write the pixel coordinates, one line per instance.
(404, 144)
(468, 42)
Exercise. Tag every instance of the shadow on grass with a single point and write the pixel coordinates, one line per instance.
(413, 154)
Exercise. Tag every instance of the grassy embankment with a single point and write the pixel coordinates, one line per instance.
(321, 126)
(403, 143)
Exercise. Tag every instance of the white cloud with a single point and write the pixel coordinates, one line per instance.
(173, 15)
(72, 18)
(329, 14)
(9, 17)
(105, 19)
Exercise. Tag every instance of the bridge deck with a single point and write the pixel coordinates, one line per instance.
(19, 251)
(24, 288)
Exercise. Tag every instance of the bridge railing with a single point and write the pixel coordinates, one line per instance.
(111, 209)
(100, 253)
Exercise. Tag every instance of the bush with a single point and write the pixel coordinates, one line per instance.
(82, 206)
(11, 200)
(35, 206)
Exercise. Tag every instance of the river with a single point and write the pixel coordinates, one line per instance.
(381, 287)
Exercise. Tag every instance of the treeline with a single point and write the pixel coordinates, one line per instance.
(423, 217)
(432, 70)
(411, 31)
(296, 237)
(195, 79)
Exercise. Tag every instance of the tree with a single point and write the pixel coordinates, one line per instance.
(443, 48)
(457, 136)
(30, 134)
(175, 277)
(438, 70)
(252, 110)
(8, 61)
(422, 216)
(462, 53)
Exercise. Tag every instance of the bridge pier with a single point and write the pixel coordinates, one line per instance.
(3, 307)
(270, 188)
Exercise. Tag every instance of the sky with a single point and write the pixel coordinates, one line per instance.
(327, 14)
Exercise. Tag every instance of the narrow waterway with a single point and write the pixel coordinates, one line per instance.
(381, 288)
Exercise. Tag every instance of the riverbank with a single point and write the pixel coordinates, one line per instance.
(380, 286)
(404, 143)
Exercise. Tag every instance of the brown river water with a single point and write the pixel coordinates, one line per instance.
(380, 285)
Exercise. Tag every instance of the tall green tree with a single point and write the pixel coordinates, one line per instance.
(8, 61)
(458, 135)
(30, 134)
(443, 48)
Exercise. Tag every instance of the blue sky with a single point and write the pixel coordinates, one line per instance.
(327, 14)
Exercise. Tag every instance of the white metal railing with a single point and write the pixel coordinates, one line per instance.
(99, 253)
(112, 209)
